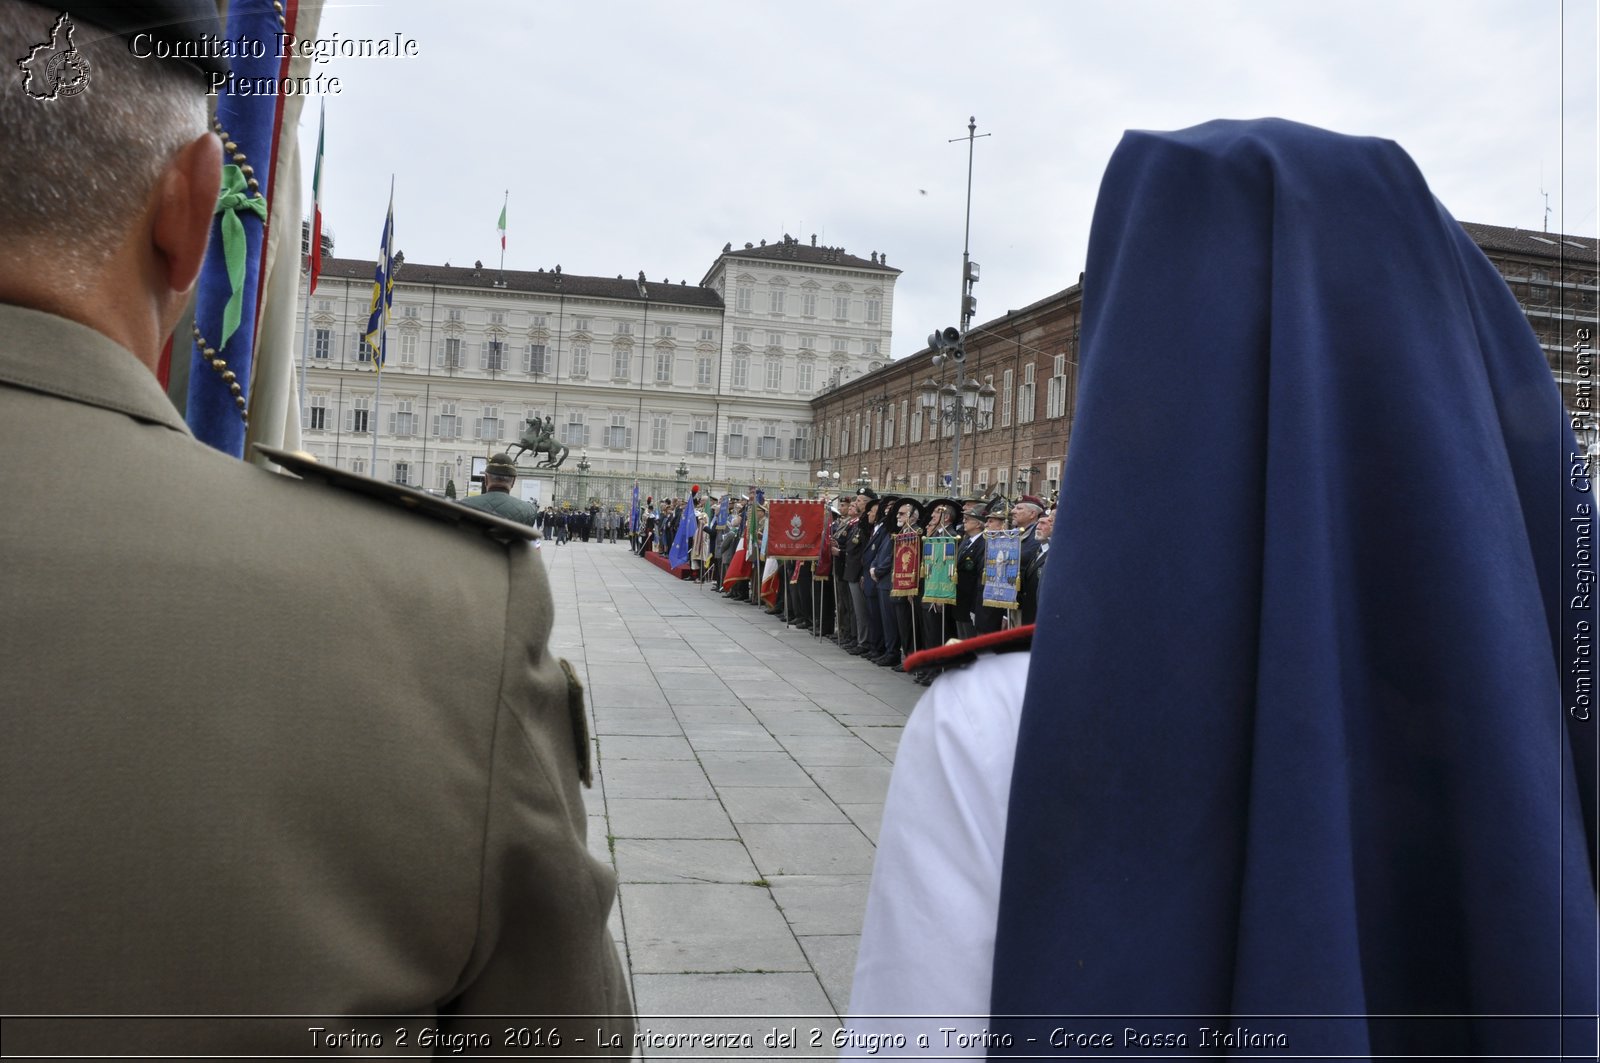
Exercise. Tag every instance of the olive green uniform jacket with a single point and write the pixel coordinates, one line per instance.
(503, 504)
(268, 746)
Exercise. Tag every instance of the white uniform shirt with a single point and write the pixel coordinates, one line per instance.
(927, 947)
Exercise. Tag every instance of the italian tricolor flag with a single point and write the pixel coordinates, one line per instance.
(501, 227)
(316, 203)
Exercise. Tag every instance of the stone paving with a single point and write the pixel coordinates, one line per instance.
(740, 773)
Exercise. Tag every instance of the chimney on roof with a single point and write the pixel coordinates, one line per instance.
(874, 258)
(558, 267)
(813, 239)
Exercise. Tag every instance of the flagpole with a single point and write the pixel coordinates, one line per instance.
(383, 325)
(313, 251)
(504, 204)
(305, 335)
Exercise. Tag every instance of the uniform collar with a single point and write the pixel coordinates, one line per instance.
(54, 356)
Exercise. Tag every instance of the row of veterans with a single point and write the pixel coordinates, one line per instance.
(882, 577)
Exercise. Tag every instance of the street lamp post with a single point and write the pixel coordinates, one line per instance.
(827, 482)
(682, 473)
(583, 477)
(964, 404)
(865, 479)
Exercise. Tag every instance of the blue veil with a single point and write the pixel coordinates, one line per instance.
(1308, 748)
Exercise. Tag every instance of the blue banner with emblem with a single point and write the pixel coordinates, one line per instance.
(1002, 567)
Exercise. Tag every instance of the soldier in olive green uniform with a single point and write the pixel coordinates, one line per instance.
(269, 746)
(499, 477)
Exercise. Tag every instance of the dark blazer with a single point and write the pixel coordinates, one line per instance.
(969, 576)
(877, 555)
(855, 547)
(1028, 589)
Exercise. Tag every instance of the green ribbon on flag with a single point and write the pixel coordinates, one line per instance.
(233, 198)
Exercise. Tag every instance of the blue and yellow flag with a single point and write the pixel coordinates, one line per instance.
(382, 290)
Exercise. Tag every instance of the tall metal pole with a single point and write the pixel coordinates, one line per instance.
(958, 411)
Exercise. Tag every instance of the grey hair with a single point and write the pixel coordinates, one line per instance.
(74, 171)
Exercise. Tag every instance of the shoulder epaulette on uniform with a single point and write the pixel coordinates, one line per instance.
(960, 652)
(309, 468)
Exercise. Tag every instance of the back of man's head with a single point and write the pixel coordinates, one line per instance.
(79, 175)
(73, 170)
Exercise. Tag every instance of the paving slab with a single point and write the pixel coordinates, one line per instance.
(780, 804)
(822, 904)
(868, 817)
(833, 958)
(753, 769)
(682, 860)
(656, 778)
(648, 747)
(678, 928)
(808, 848)
(668, 818)
(853, 785)
(732, 738)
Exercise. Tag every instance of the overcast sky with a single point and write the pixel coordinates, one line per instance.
(644, 136)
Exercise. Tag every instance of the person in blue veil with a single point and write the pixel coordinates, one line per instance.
(1305, 762)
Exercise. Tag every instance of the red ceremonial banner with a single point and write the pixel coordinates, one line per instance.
(794, 529)
(907, 571)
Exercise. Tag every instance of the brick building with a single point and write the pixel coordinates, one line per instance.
(873, 429)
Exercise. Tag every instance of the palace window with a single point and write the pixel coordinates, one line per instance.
(403, 422)
(699, 441)
(1025, 396)
(355, 418)
(446, 424)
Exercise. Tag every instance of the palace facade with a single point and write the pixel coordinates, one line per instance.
(643, 379)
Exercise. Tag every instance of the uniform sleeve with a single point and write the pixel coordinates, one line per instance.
(927, 947)
(543, 947)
